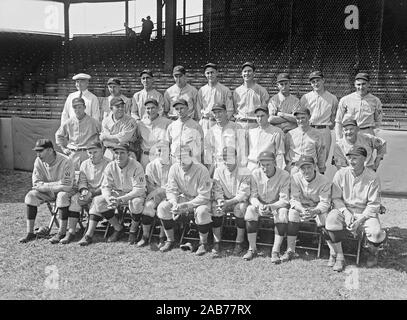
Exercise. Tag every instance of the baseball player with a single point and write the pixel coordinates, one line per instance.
(188, 189)
(323, 106)
(265, 138)
(310, 198)
(210, 94)
(269, 197)
(123, 183)
(231, 192)
(248, 96)
(282, 105)
(181, 90)
(304, 140)
(118, 127)
(91, 101)
(53, 177)
(151, 129)
(352, 137)
(361, 106)
(223, 133)
(356, 205)
(138, 109)
(89, 182)
(114, 87)
(185, 131)
(77, 133)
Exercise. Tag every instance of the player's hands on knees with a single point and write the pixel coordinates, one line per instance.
(40, 187)
(220, 206)
(112, 202)
(66, 151)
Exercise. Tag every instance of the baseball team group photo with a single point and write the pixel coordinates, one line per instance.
(229, 150)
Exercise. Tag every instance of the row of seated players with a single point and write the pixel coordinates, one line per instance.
(351, 201)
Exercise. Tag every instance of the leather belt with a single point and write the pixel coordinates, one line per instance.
(368, 127)
(78, 150)
(247, 120)
(316, 126)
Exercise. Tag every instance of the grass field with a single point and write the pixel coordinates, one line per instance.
(119, 271)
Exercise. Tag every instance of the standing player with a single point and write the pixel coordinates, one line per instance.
(138, 109)
(323, 106)
(77, 133)
(211, 94)
(114, 87)
(181, 90)
(52, 180)
(248, 97)
(123, 183)
(269, 197)
(91, 101)
(352, 137)
(361, 106)
(356, 202)
(282, 105)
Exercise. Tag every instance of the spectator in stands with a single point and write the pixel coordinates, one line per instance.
(179, 30)
(138, 109)
(282, 105)
(130, 33)
(74, 135)
(181, 90)
(143, 33)
(149, 28)
(114, 87)
(91, 101)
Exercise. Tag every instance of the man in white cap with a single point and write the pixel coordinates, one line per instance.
(114, 87)
(91, 101)
(356, 206)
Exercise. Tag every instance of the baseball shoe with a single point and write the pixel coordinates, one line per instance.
(68, 238)
(287, 256)
(339, 265)
(28, 237)
(132, 237)
(142, 243)
(116, 235)
(86, 240)
(238, 250)
(168, 245)
(216, 249)
(201, 249)
(331, 261)
(275, 258)
(56, 238)
(161, 243)
(372, 260)
(250, 254)
(187, 246)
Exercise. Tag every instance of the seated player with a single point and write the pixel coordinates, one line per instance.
(188, 190)
(310, 199)
(231, 191)
(52, 180)
(90, 180)
(269, 197)
(356, 205)
(123, 183)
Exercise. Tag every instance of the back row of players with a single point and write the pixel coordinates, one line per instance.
(246, 158)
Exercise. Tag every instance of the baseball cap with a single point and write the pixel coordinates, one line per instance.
(114, 81)
(81, 76)
(147, 71)
(117, 101)
(266, 155)
(304, 160)
(78, 101)
(211, 65)
(248, 64)
(315, 74)
(151, 100)
(283, 77)
(262, 108)
(180, 101)
(42, 144)
(302, 109)
(122, 146)
(363, 76)
(357, 151)
(219, 106)
(178, 70)
(95, 145)
(349, 122)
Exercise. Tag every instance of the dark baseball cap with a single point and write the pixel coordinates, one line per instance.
(122, 146)
(42, 144)
(178, 70)
(117, 101)
(180, 101)
(151, 100)
(266, 155)
(283, 77)
(348, 122)
(262, 108)
(357, 151)
(211, 65)
(302, 109)
(147, 71)
(305, 160)
(315, 74)
(78, 101)
(95, 145)
(363, 76)
(248, 64)
(219, 106)
(114, 81)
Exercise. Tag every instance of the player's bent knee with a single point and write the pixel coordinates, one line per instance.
(32, 198)
(99, 204)
(281, 216)
(293, 216)
(240, 210)
(333, 221)
(136, 205)
(164, 210)
(202, 215)
(63, 199)
(251, 214)
(95, 217)
(75, 206)
(149, 208)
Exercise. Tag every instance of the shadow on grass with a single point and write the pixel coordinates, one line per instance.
(394, 255)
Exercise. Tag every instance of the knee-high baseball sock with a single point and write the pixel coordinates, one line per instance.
(331, 246)
(278, 240)
(91, 227)
(291, 241)
(63, 221)
(31, 215)
(135, 222)
(146, 230)
(216, 234)
(72, 225)
(240, 235)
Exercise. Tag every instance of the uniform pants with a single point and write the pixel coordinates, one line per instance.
(99, 205)
(280, 215)
(238, 209)
(294, 216)
(36, 198)
(202, 213)
(326, 140)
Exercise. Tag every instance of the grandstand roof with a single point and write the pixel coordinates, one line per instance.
(82, 1)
